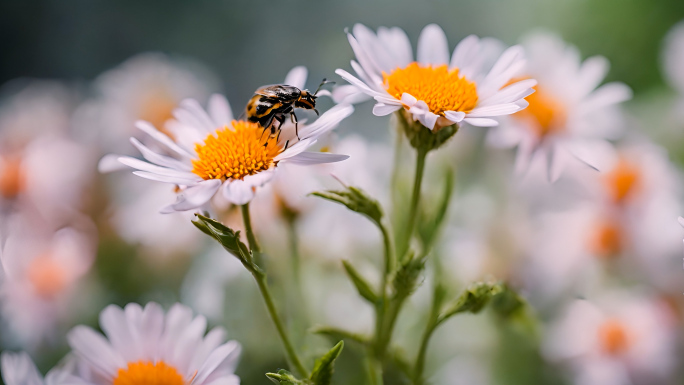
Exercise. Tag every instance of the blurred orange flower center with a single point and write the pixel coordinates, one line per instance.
(622, 180)
(235, 153)
(613, 337)
(47, 276)
(148, 373)
(440, 88)
(12, 179)
(547, 114)
(607, 239)
(156, 108)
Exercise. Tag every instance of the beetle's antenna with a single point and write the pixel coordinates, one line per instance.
(325, 81)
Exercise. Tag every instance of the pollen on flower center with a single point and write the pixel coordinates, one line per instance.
(236, 153)
(46, 276)
(440, 88)
(622, 180)
(148, 373)
(613, 337)
(545, 112)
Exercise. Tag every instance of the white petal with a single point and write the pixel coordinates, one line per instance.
(511, 93)
(113, 323)
(306, 158)
(220, 111)
(238, 192)
(428, 119)
(369, 67)
(327, 121)
(409, 100)
(382, 109)
(224, 356)
(161, 160)
(398, 44)
(359, 84)
(298, 147)
(464, 52)
(558, 160)
(144, 166)
(495, 110)
(167, 179)
(297, 77)
(376, 51)
(349, 94)
(481, 122)
(455, 116)
(110, 163)
(202, 117)
(606, 95)
(681, 221)
(161, 138)
(433, 48)
(591, 74)
(19, 369)
(94, 349)
(194, 197)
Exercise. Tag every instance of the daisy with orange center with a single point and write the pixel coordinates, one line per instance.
(570, 116)
(145, 346)
(435, 90)
(213, 152)
(42, 272)
(614, 339)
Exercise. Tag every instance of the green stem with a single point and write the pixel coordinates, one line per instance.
(419, 366)
(260, 278)
(415, 199)
(383, 307)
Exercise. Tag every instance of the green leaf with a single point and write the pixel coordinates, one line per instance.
(283, 377)
(324, 366)
(229, 239)
(339, 334)
(362, 286)
(430, 224)
(355, 200)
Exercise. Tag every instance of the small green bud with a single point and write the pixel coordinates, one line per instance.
(421, 137)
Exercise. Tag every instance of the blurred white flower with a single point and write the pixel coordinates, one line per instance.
(42, 270)
(19, 369)
(568, 117)
(147, 87)
(41, 169)
(435, 90)
(619, 339)
(142, 344)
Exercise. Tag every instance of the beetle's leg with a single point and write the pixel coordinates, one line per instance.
(293, 117)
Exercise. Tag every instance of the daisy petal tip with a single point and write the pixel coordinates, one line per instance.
(681, 221)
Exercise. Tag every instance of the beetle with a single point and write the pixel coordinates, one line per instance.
(271, 104)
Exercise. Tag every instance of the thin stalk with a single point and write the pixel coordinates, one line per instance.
(260, 278)
(415, 200)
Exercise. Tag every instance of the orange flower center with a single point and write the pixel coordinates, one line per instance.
(47, 276)
(12, 179)
(545, 113)
(622, 180)
(607, 239)
(440, 88)
(236, 153)
(157, 108)
(148, 373)
(613, 337)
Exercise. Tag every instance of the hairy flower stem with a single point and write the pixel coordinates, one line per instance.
(433, 322)
(261, 280)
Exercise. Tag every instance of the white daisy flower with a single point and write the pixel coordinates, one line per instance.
(19, 369)
(615, 340)
(148, 86)
(436, 90)
(43, 270)
(568, 116)
(213, 152)
(144, 345)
